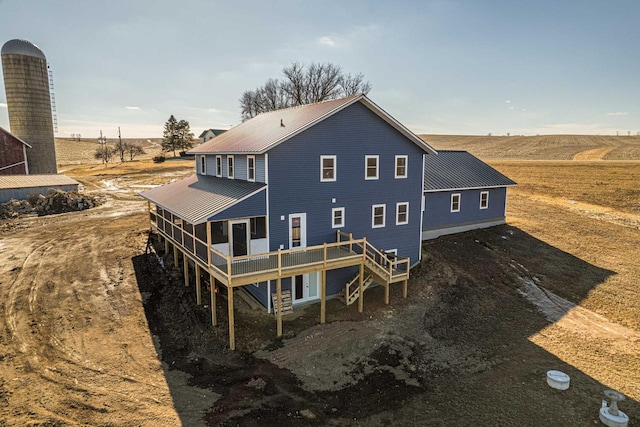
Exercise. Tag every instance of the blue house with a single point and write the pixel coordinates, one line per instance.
(461, 193)
(303, 204)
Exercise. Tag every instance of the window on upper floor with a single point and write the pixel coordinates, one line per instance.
(203, 165)
(370, 167)
(455, 202)
(401, 166)
(402, 213)
(484, 199)
(251, 168)
(377, 216)
(337, 217)
(229, 166)
(218, 166)
(328, 168)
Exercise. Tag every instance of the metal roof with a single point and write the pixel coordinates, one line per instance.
(29, 181)
(458, 170)
(13, 136)
(267, 130)
(198, 197)
(22, 47)
(216, 132)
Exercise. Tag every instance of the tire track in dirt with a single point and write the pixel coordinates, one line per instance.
(594, 154)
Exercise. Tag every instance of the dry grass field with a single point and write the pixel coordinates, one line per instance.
(70, 152)
(94, 332)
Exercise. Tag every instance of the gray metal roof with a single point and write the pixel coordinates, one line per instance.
(29, 181)
(267, 130)
(22, 47)
(198, 197)
(216, 132)
(457, 170)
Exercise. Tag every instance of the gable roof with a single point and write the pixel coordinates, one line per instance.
(198, 197)
(459, 170)
(32, 181)
(267, 130)
(13, 136)
(215, 132)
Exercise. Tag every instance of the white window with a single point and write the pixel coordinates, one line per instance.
(251, 168)
(455, 202)
(377, 216)
(371, 167)
(484, 199)
(337, 217)
(402, 213)
(401, 166)
(230, 166)
(203, 165)
(328, 168)
(218, 166)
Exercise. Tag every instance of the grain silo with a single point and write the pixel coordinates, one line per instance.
(26, 83)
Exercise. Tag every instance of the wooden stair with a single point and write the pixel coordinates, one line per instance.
(287, 302)
(352, 289)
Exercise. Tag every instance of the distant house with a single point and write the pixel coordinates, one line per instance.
(461, 193)
(13, 154)
(208, 134)
(316, 201)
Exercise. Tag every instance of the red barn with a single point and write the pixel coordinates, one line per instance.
(13, 154)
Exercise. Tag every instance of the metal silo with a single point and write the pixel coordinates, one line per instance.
(26, 83)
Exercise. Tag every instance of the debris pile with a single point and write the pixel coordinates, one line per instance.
(54, 202)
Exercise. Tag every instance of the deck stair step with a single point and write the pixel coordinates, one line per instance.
(352, 289)
(287, 302)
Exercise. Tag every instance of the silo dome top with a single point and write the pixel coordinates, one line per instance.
(22, 47)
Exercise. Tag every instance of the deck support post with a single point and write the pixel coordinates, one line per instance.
(232, 337)
(361, 289)
(166, 245)
(323, 295)
(386, 293)
(198, 285)
(405, 288)
(279, 307)
(185, 267)
(214, 315)
(175, 257)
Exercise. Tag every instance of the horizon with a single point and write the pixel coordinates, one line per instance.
(466, 68)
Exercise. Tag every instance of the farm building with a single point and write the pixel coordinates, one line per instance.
(13, 154)
(301, 204)
(19, 187)
(209, 134)
(461, 193)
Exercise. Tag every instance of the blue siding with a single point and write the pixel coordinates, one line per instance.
(240, 166)
(294, 180)
(260, 168)
(259, 292)
(255, 205)
(438, 213)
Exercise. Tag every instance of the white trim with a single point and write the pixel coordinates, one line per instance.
(486, 206)
(266, 180)
(366, 167)
(335, 168)
(247, 230)
(303, 229)
(219, 167)
(333, 217)
(373, 214)
(469, 188)
(15, 164)
(398, 213)
(406, 166)
(423, 203)
(254, 168)
(203, 164)
(233, 166)
(459, 202)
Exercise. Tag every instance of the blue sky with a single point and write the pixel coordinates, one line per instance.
(446, 67)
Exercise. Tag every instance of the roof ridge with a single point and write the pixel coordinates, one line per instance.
(293, 107)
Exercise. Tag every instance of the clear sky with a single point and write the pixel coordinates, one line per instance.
(447, 67)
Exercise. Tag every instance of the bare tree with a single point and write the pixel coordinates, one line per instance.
(133, 150)
(302, 85)
(105, 153)
(121, 149)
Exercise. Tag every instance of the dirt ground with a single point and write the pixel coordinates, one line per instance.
(94, 332)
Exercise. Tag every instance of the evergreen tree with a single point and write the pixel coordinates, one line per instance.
(170, 135)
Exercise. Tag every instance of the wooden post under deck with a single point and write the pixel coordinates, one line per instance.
(232, 337)
(214, 316)
(323, 295)
(386, 293)
(166, 245)
(198, 285)
(279, 307)
(185, 266)
(405, 288)
(361, 285)
(175, 257)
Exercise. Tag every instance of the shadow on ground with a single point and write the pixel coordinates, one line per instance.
(468, 355)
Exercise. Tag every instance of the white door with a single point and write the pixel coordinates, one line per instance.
(297, 230)
(239, 238)
(305, 287)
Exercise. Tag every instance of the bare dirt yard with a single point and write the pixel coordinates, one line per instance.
(93, 331)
